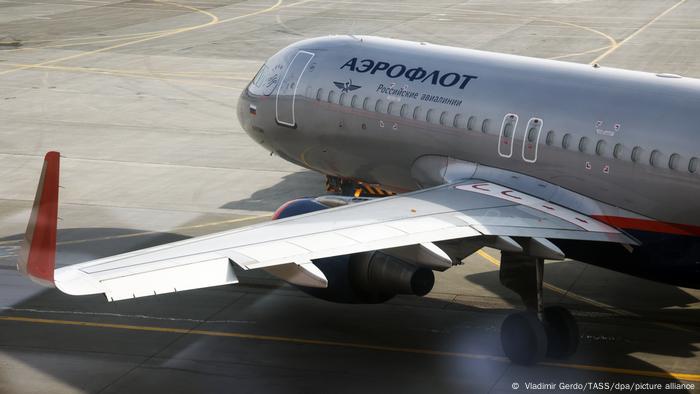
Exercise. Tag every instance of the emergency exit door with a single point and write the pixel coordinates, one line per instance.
(287, 90)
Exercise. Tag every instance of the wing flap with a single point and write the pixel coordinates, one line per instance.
(403, 240)
(121, 285)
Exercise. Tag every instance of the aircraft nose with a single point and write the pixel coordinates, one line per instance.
(248, 117)
(242, 110)
(246, 111)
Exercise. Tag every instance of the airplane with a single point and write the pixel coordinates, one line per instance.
(539, 159)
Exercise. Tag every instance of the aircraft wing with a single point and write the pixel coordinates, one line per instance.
(460, 210)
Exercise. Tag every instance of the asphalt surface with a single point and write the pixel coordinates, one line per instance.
(139, 97)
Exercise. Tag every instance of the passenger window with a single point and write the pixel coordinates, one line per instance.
(566, 141)
(331, 96)
(636, 153)
(654, 158)
(417, 113)
(693, 165)
(365, 104)
(508, 130)
(459, 122)
(355, 101)
(673, 161)
(471, 123)
(550, 138)
(443, 118)
(485, 126)
(600, 148)
(319, 94)
(617, 152)
(390, 110)
(432, 117)
(583, 144)
(343, 98)
(532, 134)
(379, 106)
(404, 111)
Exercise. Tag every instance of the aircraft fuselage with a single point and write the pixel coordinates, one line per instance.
(385, 111)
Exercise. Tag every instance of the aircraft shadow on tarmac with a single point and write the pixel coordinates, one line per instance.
(264, 306)
(294, 185)
(638, 321)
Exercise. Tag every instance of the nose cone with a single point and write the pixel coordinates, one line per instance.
(243, 110)
(247, 114)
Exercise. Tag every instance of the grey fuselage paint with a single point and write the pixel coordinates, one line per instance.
(370, 108)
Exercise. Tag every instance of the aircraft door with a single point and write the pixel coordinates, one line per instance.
(287, 90)
(507, 135)
(531, 139)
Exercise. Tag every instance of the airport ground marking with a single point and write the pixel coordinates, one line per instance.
(110, 36)
(156, 76)
(579, 53)
(85, 40)
(144, 233)
(586, 300)
(636, 32)
(563, 292)
(88, 41)
(214, 20)
(353, 345)
(151, 36)
(611, 40)
(608, 37)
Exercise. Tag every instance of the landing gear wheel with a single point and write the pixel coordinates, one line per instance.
(562, 332)
(523, 338)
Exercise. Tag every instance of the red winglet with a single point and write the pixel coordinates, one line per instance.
(37, 257)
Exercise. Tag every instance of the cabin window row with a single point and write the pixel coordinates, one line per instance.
(406, 111)
(619, 151)
(460, 121)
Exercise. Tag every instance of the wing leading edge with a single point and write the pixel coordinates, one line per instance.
(462, 210)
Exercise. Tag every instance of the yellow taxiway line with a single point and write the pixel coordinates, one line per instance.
(614, 47)
(586, 300)
(213, 20)
(137, 73)
(318, 342)
(142, 233)
(612, 42)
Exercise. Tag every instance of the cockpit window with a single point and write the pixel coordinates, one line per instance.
(269, 75)
(257, 81)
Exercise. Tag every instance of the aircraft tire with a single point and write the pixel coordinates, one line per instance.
(523, 338)
(562, 332)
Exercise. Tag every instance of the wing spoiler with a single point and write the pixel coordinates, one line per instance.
(37, 256)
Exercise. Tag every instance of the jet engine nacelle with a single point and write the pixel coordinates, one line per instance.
(360, 278)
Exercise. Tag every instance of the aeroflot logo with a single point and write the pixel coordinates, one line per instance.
(412, 74)
(346, 86)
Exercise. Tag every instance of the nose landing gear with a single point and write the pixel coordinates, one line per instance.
(349, 187)
(528, 336)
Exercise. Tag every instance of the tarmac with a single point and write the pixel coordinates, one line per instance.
(139, 97)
